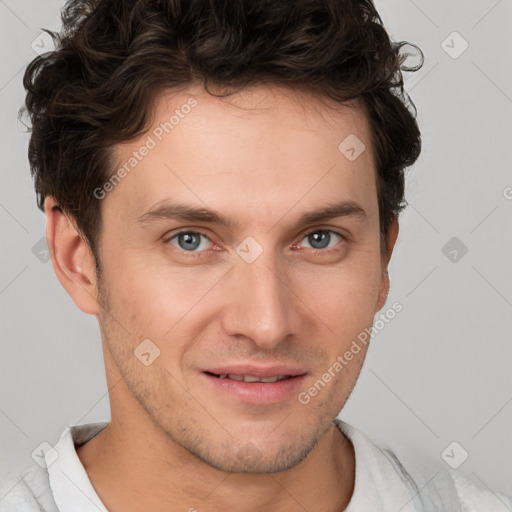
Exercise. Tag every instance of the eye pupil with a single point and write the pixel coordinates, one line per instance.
(190, 241)
(319, 239)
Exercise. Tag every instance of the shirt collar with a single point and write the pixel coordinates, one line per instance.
(72, 490)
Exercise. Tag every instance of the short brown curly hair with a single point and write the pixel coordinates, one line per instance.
(111, 57)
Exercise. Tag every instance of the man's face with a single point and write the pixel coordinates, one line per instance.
(269, 290)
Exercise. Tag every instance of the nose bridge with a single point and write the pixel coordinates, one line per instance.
(262, 306)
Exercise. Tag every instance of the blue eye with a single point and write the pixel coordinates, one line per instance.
(193, 242)
(321, 239)
(188, 241)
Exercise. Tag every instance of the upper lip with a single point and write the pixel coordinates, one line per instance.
(257, 371)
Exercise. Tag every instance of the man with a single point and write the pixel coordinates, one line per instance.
(222, 183)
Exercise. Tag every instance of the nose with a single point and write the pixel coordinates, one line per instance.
(261, 304)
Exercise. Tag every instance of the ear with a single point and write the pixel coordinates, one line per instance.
(72, 258)
(390, 244)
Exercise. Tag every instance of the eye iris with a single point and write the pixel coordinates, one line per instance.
(319, 239)
(189, 241)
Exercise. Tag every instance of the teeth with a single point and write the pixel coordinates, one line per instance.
(250, 378)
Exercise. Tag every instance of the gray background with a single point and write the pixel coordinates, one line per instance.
(438, 373)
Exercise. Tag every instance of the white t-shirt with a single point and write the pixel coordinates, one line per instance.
(61, 484)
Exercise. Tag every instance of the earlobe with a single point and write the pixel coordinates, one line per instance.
(72, 258)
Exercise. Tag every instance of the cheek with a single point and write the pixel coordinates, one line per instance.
(168, 306)
(343, 298)
(153, 292)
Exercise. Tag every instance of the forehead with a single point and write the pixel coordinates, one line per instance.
(260, 150)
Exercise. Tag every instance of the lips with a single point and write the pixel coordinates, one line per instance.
(256, 384)
(252, 373)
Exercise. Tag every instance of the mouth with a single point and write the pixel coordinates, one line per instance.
(255, 386)
(251, 378)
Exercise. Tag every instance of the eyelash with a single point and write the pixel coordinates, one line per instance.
(199, 254)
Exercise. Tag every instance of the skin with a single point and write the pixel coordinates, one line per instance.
(264, 156)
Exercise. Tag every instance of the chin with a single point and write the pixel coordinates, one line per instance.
(250, 460)
(261, 457)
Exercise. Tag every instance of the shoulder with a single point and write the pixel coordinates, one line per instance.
(446, 489)
(31, 487)
(430, 484)
(475, 498)
(27, 489)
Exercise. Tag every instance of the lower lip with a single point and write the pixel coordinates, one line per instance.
(258, 392)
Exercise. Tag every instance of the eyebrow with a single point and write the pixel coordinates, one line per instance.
(179, 211)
